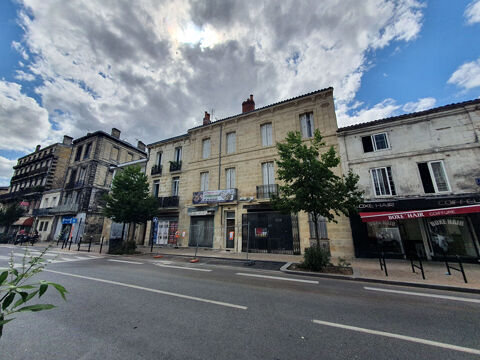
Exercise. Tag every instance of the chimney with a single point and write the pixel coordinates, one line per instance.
(37, 148)
(206, 119)
(248, 105)
(67, 140)
(115, 133)
(141, 145)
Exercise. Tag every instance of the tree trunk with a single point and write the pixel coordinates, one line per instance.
(315, 224)
(133, 232)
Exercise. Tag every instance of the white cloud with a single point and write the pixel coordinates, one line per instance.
(467, 75)
(420, 105)
(153, 68)
(472, 12)
(6, 170)
(23, 76)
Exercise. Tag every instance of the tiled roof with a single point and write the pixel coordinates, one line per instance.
(410, 115)
(103, 133)
(168, 140)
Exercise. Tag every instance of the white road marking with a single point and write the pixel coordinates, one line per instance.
(279, 278)
(182, 267)
(127, 262)
(447, 297)
(221, 303)
(82, 258)
(401, 337)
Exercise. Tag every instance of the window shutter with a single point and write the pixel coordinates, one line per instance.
(233, 179)
(269, 134)
(303, 125)
(367, 144)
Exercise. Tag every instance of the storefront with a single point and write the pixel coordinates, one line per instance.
(166, 230)
(430, 228)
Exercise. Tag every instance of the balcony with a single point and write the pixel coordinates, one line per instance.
(266, 191)
(74, 184)
(30, 173)
(175, 166)
(65, 208)
(168, 202)
(157, 170)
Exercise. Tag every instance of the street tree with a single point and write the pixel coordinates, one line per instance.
(310, 183)
(129, 200)
(10, 214)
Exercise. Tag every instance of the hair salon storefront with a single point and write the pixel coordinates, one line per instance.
(427, 227)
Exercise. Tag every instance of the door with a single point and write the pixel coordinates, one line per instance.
(201, 231)
(162, 237)
(230, 226)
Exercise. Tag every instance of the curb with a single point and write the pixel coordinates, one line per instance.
(285, 267)
(220, 258)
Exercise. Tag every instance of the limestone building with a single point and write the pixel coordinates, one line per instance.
(421, 178)
(214, 183)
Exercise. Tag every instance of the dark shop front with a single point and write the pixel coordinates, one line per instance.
(428, 227)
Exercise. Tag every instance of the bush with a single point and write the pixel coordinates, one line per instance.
(119, 247)
(316, 258)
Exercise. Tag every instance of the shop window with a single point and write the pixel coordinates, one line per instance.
(231, 143)
(306, 125)
(375, 142)
(87, 150)
(266, 131)
(45, 226)
(230, 178)
(452, 236)
(321, 226)
(434, 178)
(383, 181)
(175, 185)
(78, 154)
(204, 180)
(206, 148)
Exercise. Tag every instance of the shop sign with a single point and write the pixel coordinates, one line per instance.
(447, 221)
(69, 220)
(261, 232)
(214, 196)
(199, 213)
(420, 203)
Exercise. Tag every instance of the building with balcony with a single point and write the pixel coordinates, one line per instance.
(222, 175)
(88, 178)
(421, 179)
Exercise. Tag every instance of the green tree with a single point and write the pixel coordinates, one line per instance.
(310, 183)
(129, 200)
(10, 214)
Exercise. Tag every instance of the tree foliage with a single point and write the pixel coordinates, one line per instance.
(310, 183)
(10, 214)
(129, 201)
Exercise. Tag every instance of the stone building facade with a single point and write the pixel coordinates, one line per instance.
(421, 178)
(214, 183)
(88, 178)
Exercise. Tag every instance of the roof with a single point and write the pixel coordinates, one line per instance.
(266, 107)
(168, 140)
(103, 133)
(410, 115)
(125, 164)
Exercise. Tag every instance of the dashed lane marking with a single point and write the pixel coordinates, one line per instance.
(182, 267)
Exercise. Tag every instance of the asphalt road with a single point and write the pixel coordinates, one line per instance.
(142, 308)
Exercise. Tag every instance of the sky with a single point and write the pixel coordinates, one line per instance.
(151, 68)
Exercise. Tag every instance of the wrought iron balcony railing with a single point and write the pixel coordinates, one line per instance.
(175, 166)
(168, 202)
(157, 170)
(266, 191)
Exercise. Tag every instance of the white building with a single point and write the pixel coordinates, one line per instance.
(421, 176)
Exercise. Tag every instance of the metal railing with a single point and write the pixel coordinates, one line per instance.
(74, 184)
(175, 166)
(65, 208)
(42, 212)
(266, 191)
(168, 202)
(156, 170)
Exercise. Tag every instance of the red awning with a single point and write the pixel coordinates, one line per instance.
(414, 214)
(24, 221)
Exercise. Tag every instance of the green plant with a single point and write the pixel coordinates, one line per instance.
(343, 262)
(315, 258)
(16, 291)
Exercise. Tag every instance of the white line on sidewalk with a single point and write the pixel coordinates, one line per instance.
(82, 258)
(182, 267)
(401, 337)
(127, 262)
(278, 278)
(152, 290)
(447, 297)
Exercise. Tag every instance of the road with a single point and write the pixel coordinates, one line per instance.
(145, 308)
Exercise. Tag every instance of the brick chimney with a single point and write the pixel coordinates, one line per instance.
(115, 133)
(248, 105)
(67, 140)
(38, 148)
(141, 145)
(206, 119)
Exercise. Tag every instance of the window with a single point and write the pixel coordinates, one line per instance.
(266, 131)
(45, 226)
(54, 201)
(230, 177)
(268, 174)
(178, 154)
(321, 227)
(78, 154)
(434, 178)
(40, 226)
(205, 148)
(383, 182)
(159, 159)
(156, 188)
(129, 157)
(375, 142)
(175, 185)
(204, 180)
(231, 143)
(306, 125)
(114, 153)
(87, 150)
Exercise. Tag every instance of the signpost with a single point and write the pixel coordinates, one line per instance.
(154, 232)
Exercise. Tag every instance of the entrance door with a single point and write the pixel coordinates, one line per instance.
(162, 237)
(230, 226)
(201, 231)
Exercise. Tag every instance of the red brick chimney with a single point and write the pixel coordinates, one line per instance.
(248, 105)
(206, 119)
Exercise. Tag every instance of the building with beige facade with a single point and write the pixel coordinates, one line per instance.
(214, 183)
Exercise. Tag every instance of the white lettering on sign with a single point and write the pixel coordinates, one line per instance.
(457, 222)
